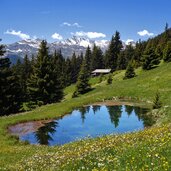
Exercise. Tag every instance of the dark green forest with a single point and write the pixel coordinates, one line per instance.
(42, 79)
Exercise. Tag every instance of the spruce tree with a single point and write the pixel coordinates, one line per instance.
(57, 79)
(138, 52)
(150, 59)
(68, 70)
(125, 57)
(122, 61)
(2, 49)
(97, 58)
(159, 52)
(80, 59)
(113, 52)
(10, 90)
(167, 53)
(58, 61)
(23, 72)
(75, 68)
(130, 73)
(43, 84)
(82, 85)
(88, 57)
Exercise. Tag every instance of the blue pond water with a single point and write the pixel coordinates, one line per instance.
(90, 121)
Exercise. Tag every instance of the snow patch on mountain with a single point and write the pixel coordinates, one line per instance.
(67, 46)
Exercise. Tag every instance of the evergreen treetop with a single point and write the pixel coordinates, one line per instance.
(150, 59)
(113, 52)
(130, 73)
(82, 85)
(167, 53)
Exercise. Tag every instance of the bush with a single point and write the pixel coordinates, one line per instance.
(130, 73)
(109, 79)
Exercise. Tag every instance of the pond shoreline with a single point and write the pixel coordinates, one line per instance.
(24, 128)
(121, 102)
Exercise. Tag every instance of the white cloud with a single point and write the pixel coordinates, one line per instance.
(145, 33)
(66, 24)
(70, 25)
(128, 41)
(76, 25)
(57, 36)
(18, 33)
(91, 35)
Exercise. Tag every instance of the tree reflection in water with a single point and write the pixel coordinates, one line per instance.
(44, 134)
(115, 113)
(96, 108)
(141, 113)
(129, 109)
(83, 111)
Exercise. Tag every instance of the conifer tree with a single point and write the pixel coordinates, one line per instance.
(97, 58)
(159, 52)
(2, 49)
(27, 68)
(23, 71)
(150, 59)
(113, 52)
(122, 61)
(10, 97)
(68, 70)
(167, 53)
(75, 68)
(82, 85)
(166, 33)
(58, 62)
(130, 73)
(138, 52)
(44, 85)
(88, 57)
(80, 59)
(125, 57)
(57, 79)
(32, 62)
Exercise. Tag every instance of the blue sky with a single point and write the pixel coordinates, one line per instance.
(97, 19)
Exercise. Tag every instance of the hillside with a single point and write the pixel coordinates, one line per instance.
(152, 146)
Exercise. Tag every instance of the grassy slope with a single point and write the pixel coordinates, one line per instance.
(143, 87)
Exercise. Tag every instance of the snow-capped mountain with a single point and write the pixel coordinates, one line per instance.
(67, 47)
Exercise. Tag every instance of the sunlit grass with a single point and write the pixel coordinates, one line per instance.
(145, 150)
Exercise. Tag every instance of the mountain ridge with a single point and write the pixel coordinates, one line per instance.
(68, 46)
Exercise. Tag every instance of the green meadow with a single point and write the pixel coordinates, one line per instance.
(144, 150)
